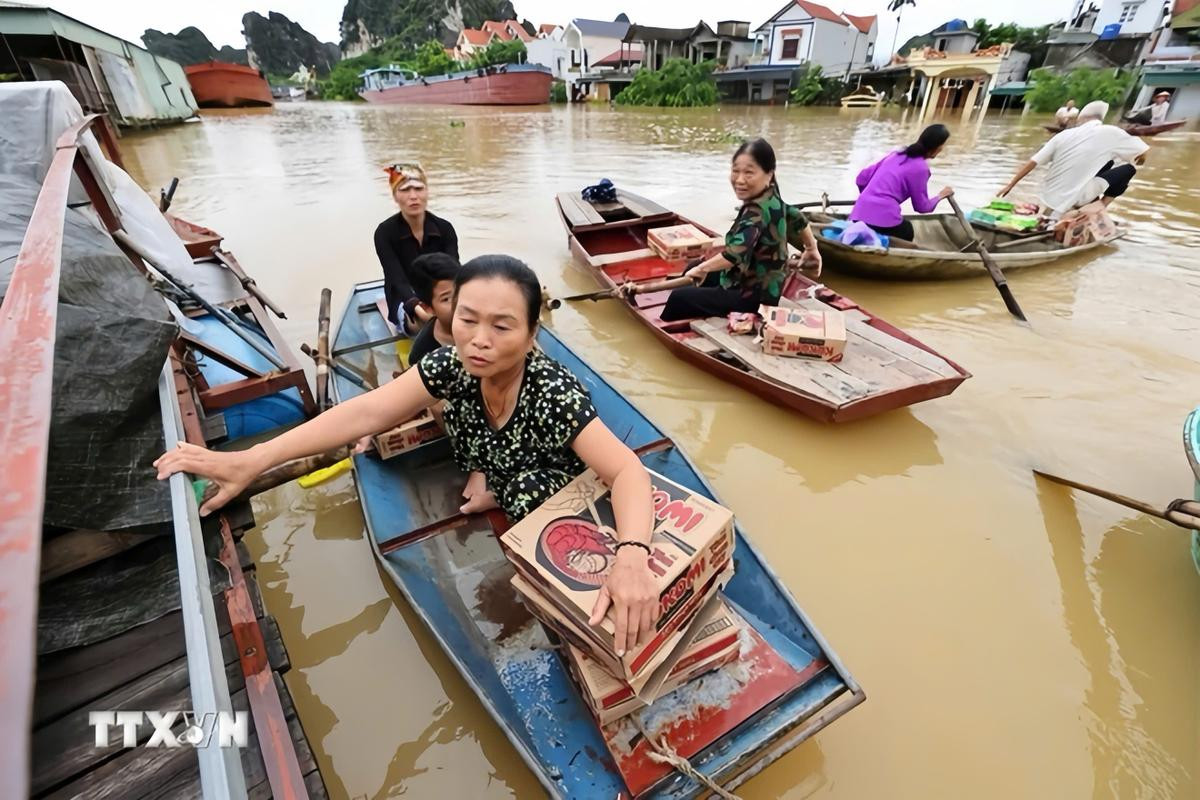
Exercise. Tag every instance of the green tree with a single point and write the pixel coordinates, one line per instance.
(498, 52)
(1028, 40)
(1050, 89)
(343, 82)
(431, 59)
(808, 85)
(678, 83)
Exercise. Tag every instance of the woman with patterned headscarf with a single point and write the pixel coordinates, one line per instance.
(399, 239)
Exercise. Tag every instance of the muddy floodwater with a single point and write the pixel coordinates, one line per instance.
(1014, 640)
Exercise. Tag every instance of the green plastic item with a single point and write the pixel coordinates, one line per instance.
(1001, 205)
(198, 487)
(979, 215)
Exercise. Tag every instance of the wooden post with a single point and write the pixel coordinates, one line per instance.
(987, 96)
(931, 85)
(323, 351)
(972, 96)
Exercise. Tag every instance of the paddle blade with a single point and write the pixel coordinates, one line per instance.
(1010, 302)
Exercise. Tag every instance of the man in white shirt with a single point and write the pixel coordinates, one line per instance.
(1153, 114)
(1065, 116)
(1082, 162)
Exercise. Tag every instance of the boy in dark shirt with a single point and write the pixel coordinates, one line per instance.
(433, 282)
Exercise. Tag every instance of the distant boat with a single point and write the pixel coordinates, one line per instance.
(504, 85)
(864, 98)
(219, 84)
(1134, 129)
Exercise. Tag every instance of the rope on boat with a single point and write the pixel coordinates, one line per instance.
(663, 753)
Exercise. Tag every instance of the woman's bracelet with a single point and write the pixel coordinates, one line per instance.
(642, 545)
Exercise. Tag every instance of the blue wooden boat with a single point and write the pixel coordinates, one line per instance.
(1191, 443)
(452, 571)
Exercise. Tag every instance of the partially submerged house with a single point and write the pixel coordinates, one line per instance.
(106, 74)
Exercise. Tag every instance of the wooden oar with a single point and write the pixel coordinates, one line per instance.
(993, 268)
(276, 476)
(605, 294)
(1184, 513)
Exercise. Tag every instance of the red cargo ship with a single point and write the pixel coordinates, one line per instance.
(506, 85)
(219, 84)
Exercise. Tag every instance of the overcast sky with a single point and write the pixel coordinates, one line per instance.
(221, 20)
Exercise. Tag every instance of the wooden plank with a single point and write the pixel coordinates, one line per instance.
(883, 369)
(68, 679)
(252, 588)
(66, 747)
(70, 551)
(641, 206)
(137, 773)
(277, 652)
(316, 786)
(704, 345)
(626, 255)
(245, 560)
(573, 213)
(579, 211)
(819, 379)
(856, 320)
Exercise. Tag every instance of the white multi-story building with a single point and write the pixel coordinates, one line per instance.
(1134, 16)
(807, 32)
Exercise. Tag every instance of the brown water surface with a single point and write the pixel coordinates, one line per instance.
(1014, 640)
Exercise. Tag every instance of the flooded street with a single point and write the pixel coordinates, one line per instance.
(1014, 639)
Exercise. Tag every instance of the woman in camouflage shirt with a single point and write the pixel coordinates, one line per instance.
(753, 265)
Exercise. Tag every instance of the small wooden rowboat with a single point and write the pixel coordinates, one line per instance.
(882, 368)
(1133, 129)
(864, 98)
(198, 239)
(940, 250)
(451, 569)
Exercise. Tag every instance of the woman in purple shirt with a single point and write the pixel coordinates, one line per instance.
(899, 176)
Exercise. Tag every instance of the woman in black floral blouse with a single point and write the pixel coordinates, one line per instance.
(515, 417)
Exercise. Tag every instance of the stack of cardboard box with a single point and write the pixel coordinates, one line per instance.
(562, 553)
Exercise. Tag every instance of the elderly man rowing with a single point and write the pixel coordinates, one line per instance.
(1083, 162)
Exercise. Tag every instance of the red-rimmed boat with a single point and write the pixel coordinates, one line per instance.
(219, 84)
(503, 85)
(883, 368)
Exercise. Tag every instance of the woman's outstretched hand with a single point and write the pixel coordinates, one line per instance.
(231, 471)
(630, 590)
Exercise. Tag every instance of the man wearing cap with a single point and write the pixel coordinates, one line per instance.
(1153, 114)
(399, 239)
(1082, 162)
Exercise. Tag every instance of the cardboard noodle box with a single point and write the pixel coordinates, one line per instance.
(419, 430)
(647, 684)
(803, 333)
(566, 547)
(677, 242)
(713, 641)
